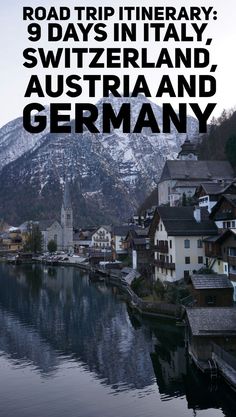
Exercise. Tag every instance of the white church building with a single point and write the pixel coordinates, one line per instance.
(61, 232)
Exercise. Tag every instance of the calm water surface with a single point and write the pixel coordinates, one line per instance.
(69, 347)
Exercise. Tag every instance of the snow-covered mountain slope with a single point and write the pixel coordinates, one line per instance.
(15, 140)
(110, 174)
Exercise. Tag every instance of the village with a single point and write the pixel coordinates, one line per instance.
(176, 259)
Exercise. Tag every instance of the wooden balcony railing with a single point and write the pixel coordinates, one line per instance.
(163, 264)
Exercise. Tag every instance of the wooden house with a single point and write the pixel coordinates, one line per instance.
(211, 290)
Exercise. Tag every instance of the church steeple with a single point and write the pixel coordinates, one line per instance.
(67, 218)
(188, 151)
(66, 196)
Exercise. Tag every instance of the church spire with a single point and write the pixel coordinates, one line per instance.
(67, 197)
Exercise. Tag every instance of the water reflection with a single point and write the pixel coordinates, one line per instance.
(55, 318)
(48, 314)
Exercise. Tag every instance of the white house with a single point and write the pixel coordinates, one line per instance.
(102, 238)
(178, 241)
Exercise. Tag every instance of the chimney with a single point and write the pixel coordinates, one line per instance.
(197, 214)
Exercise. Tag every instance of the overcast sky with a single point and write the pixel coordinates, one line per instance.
(13, 41)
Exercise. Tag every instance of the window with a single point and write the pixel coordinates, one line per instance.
(186, 274)
(233, 224)
(171, 259)
(187, 243)
(170, 244)
(187, 259)
(55, 238)
(200, 259)
(199, 243)
(160, 226)
(210, 299)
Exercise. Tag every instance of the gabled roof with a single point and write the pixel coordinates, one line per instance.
(212, 321)
(180, 221)
(108, 228)
(45, 224)
(231, 198)
(220, 238)
(211, 281)
(121, 230)
(215, 188)
(197, 170)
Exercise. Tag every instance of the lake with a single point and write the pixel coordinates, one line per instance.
(70, 347)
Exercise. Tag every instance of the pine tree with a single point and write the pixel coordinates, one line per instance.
(52, 246)
(230, 150)
(34, 239)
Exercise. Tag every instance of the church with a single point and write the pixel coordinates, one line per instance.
(186, 173)
(61, 232)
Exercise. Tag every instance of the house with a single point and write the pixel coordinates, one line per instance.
(137, 243)
(220, 251)
(208, 326)
(102, 237)
(83, 240)
(211, 290)
(224, 212)
(208, 194)
(119, 234)
(11, 240)
(177, 235)
(181, 177)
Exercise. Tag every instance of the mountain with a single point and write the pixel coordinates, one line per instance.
(212, 146)
(110, 174)
(15, 140)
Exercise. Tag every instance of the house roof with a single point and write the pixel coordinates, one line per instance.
(121, 230)
(211, 281)
(231, 198)
(220, 238)
(214, 188)
(180, 221)
(196, 170)
(140, 241)
(108, 228)
(212, 321)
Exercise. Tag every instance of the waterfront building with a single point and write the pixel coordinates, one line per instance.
(211, 340)
(101, 238)
(211, 290)
(137, 244)
(220, 251)
(177, 235)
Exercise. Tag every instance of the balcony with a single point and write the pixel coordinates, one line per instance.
(161, 247)
(232, 260)
(163, 264)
